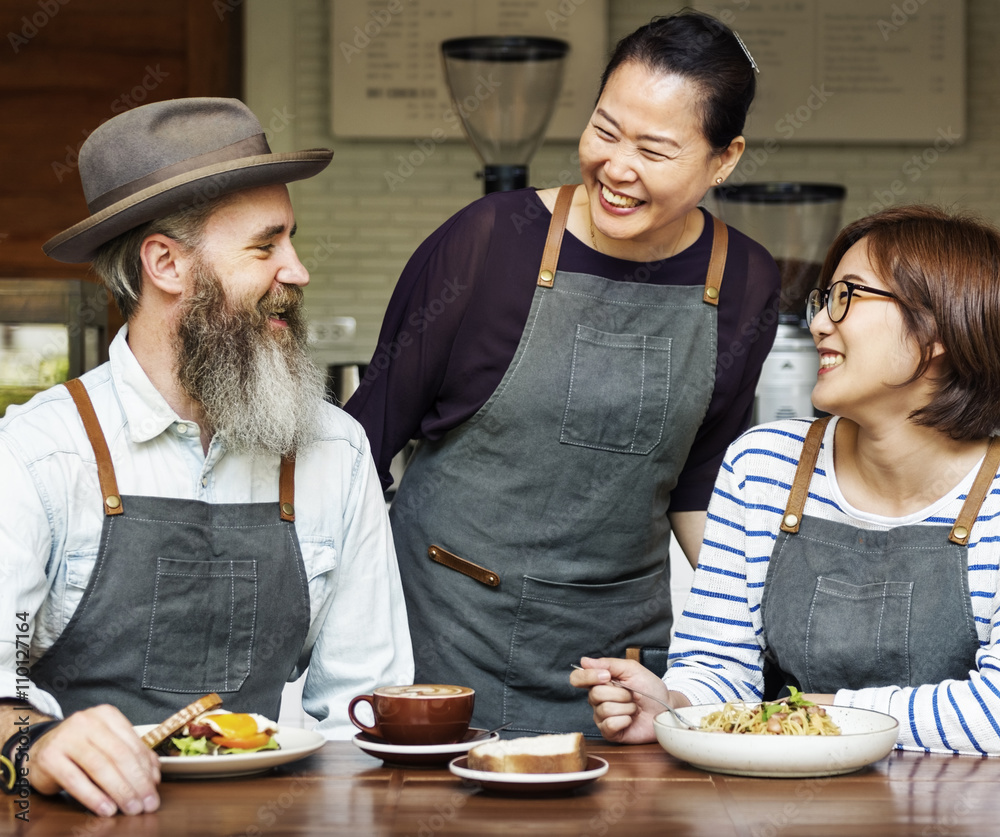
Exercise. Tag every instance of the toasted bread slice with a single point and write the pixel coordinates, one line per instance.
(561, 753)
(157, 736)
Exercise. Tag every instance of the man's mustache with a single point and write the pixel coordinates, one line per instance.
(286, 298)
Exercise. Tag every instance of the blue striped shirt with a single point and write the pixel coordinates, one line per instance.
(717, 651)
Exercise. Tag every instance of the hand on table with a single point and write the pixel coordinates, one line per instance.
(621, 715)
(96, 757)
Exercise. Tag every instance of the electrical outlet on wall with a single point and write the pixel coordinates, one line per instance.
(331, 331)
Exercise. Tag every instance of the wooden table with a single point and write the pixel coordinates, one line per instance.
(341, 790)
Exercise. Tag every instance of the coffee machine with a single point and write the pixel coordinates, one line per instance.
(796, 222)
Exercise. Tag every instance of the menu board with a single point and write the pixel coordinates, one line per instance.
(388, 79)
(853, 70)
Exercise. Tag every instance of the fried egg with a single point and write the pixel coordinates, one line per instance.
(238, 724)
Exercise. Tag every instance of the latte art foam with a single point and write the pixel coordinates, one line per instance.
(420, 690)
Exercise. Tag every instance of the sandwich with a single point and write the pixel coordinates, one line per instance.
(203, 728)
(559, 753)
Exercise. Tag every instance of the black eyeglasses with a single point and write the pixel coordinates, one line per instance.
(837, 299)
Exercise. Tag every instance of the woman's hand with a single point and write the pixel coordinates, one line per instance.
(621, 715)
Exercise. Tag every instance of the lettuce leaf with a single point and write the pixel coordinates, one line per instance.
(189, 746)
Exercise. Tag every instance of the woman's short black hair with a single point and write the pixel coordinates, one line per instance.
(705, 51)
(944, 268)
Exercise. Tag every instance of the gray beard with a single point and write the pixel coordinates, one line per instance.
(260, 391)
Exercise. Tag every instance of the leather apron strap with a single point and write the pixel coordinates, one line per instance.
(803, 475)
(105, 469)
(717, 262)
(960, 531)
(557, 226)
(286, 488)
(553, 242)
(974, 499)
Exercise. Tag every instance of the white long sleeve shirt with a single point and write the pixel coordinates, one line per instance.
(717, 651)
(53, 516)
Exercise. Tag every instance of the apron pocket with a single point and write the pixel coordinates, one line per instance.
(556, 624)
(618, 389)
(858, 636)
(201, 632)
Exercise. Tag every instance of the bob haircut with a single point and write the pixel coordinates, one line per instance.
(945, 270)
(703, 50)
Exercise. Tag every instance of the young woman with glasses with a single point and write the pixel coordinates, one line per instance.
(855, 557)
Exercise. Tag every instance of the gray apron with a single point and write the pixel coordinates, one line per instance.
(849, 608)
(536, 532)
(185, 598)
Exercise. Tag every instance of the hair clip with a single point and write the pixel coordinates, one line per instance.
(747, 52)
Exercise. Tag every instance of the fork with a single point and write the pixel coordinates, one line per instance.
(673, 712)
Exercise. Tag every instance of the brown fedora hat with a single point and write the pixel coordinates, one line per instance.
(162, 157)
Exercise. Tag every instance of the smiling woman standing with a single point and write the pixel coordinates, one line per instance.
(574, 362)
(856, 555)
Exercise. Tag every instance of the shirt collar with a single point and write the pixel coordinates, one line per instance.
(146, 411)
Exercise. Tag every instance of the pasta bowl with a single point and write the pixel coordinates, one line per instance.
(866, 737)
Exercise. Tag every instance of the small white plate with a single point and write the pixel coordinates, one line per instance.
(866, 737)
(426, 755)
(294, 744)
(530, 783)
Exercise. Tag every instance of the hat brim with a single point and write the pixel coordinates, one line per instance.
(81, 242)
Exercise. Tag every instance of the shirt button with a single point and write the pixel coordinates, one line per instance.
(204, 482)
(182, 428)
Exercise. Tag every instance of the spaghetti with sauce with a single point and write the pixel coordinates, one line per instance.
(793, 715)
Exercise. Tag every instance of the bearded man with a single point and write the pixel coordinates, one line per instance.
(192, 516)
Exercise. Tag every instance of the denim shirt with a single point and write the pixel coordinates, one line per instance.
(53, 516)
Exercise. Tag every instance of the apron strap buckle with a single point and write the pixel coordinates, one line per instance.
(792, 517)
(105, 469)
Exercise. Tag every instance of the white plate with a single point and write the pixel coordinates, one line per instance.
(530, 783)
(294, 744)
(425, 755)
(866, 737)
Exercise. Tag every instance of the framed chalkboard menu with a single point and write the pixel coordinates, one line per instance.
(387, 76)
(853, 70)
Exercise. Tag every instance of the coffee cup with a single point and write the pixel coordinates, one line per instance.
(417, 715)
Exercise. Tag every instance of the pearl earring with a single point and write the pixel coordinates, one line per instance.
(718, 180)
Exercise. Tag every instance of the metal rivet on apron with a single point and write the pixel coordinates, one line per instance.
(791, 520)
(546, 277)
(713, 293)
(287, 508)
(961, 532)
(112, 501)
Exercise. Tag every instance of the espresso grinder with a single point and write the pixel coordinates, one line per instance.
(796, 222)
(505, 89)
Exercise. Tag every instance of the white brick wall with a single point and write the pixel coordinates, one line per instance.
(355, 234)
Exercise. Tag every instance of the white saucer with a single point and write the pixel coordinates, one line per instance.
(426, 755)
(530, 783)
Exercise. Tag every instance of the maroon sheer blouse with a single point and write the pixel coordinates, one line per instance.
(456, 316)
